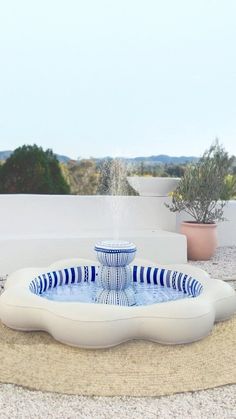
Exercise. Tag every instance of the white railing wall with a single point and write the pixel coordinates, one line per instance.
(52, 215)
(36, 230)
(45, 215)
(23, 215)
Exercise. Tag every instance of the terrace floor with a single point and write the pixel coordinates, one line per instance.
(16, 402)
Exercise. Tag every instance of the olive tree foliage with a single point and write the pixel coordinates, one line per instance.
(31, 170)
(202, 191)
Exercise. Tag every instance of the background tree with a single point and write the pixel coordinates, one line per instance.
(174, 170)
(113, 179)
(30, 169)
(82, 177)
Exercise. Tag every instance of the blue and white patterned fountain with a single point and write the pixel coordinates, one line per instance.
(115, 278)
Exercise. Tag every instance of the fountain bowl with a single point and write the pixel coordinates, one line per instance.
(87, 325)
(115, 253)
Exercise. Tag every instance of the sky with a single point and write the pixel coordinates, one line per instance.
(118, 77)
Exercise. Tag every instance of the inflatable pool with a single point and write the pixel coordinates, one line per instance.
(26, 305)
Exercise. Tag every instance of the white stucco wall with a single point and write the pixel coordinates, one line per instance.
(36, 230)
(227, 229)
(69, 214)
(60, 215)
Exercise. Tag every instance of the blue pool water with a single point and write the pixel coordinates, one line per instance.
(86, 293)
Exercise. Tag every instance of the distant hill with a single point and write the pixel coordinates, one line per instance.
(63, 159)
(153, 160)
(160, 159)
(164, 159)
(5, 154)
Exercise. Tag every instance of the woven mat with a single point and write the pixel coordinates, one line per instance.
(136, 368)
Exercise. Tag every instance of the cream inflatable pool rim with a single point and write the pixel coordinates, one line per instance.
(99, 325)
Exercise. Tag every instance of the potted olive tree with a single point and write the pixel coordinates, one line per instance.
(202, 194)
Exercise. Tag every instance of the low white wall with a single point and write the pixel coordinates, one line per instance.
(159, 247)
(39, 229)
(22, 215)
(226, 229)
(36, 230)
(60, 215)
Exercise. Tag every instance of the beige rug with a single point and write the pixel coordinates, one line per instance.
(136, 368)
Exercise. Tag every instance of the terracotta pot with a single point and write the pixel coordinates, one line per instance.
(201, 239)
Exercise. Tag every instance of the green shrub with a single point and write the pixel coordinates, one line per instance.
(202, 191)
(31, 170)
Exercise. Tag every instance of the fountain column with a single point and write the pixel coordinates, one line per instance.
(115, 279)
